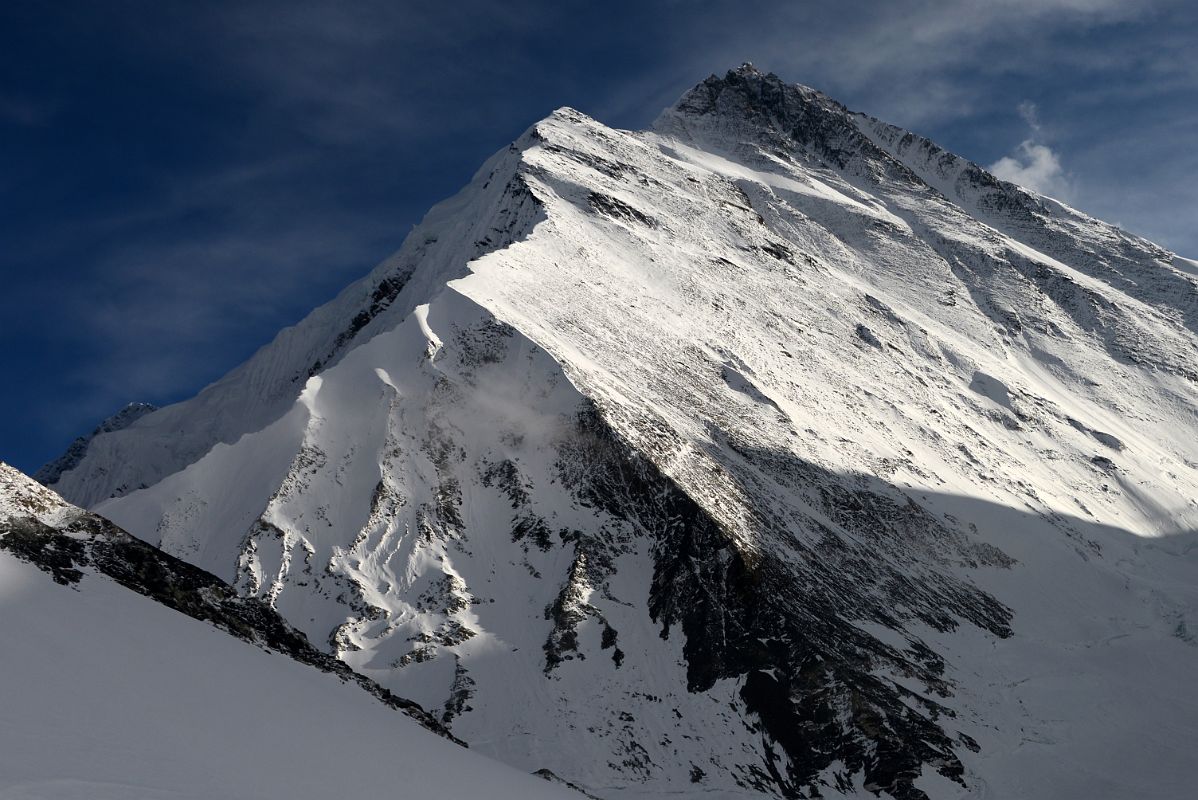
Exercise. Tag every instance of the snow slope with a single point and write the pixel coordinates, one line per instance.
(108, 694)
(771, 451)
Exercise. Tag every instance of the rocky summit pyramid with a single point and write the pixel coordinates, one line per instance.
(774, 451)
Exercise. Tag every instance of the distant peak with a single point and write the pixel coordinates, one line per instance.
(52, 471)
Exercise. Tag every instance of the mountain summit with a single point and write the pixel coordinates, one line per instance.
(773, 451)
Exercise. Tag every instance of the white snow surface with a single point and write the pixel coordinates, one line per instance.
(851, 298)
(22, 497)
(111, 696)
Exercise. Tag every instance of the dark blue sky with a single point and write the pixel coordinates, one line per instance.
(180, 180)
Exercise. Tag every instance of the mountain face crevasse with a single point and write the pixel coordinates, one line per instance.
(771, 451)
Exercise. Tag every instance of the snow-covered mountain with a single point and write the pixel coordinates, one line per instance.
(110, 693)
(774, 450)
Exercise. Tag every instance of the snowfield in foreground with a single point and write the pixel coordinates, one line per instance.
(109, 695)
(771, 452)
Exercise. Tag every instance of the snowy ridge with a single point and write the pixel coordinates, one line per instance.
(22, 497)
(758, 453)
(491, 213)
(1131, 264)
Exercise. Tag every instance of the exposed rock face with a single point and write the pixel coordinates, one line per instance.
(774, 616)
(773, 451)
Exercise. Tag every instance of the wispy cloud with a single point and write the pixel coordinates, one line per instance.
(1030, 113)
(1036, 167)
(201, 299)
(913, 62)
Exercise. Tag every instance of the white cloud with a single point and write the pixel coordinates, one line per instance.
(1034, 166)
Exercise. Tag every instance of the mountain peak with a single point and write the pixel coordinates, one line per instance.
(748, 106)
(744, 89)
(746, 68)
(786, 415)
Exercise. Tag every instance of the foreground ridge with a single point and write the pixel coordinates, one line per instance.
(38, 527)
(115, 694)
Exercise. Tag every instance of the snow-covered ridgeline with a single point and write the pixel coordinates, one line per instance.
(494, 210)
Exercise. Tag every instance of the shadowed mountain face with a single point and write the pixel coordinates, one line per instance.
(772, 451)
(777, 617)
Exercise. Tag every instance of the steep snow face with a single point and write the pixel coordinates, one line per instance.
(113, 695)
(490, 213)
(769, 451)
